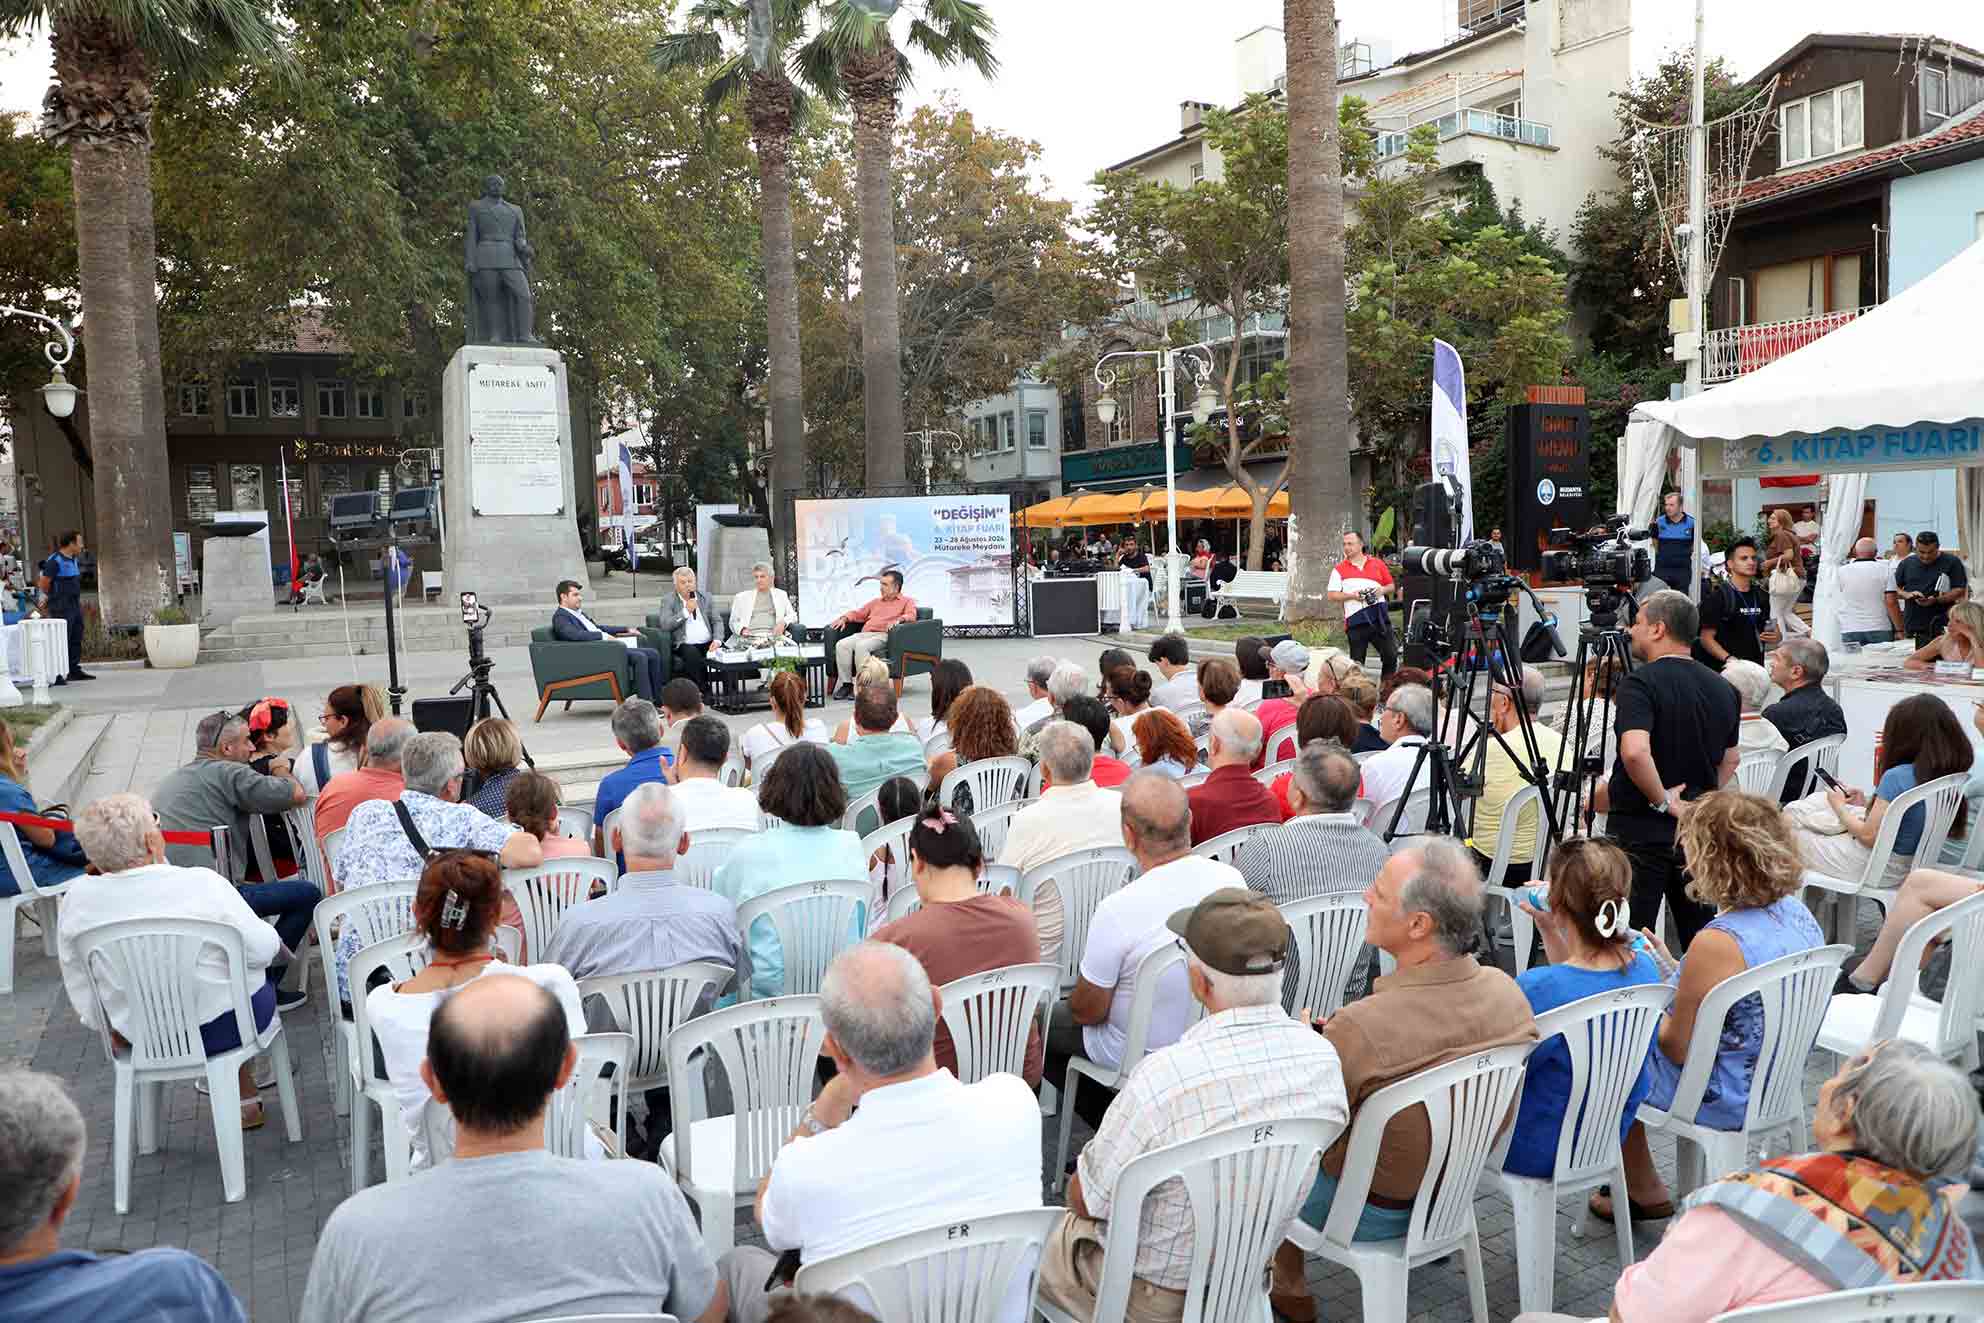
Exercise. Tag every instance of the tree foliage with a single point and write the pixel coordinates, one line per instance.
(37, 251)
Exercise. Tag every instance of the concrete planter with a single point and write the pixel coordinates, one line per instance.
(172, 647)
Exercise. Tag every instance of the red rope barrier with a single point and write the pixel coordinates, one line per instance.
(205, 838)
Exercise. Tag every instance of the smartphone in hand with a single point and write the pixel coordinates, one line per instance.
(1830, 780)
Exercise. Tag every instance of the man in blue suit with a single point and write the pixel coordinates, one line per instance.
(569, 624)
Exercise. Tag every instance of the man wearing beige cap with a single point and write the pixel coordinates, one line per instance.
(1245, 1062)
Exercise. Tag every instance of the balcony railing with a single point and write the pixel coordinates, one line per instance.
(1730, 352)
(1457, 122)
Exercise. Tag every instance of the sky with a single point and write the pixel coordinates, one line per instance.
(1097, 81)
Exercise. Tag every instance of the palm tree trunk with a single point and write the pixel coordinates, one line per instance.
(770, 109)
(1320, 499)
(871, 83)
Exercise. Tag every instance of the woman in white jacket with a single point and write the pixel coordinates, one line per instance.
(762, 613)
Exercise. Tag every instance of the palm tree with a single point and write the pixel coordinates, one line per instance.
(108, 55)
(1318, 376)
(774, 106)
(854, 57)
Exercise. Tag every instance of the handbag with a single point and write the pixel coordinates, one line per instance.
(1783, 581)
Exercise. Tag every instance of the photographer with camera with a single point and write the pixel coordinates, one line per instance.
(1362, 584)
(1734, 613)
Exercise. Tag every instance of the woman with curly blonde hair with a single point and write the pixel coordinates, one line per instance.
(981, 724)
(1742, 859)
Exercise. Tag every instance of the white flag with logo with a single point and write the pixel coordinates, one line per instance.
(629, 512)
(1450, 431)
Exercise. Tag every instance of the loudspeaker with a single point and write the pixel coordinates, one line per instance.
(1432, 516)
(453, 715)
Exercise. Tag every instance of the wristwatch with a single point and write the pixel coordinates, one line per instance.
(812, 1124)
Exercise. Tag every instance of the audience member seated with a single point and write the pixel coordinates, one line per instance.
(532, 805)
(219, 789)
(981, 727)
(1230, 797)
(708, 804)
(1503, 766)
(1164, 744)
(1920, 741)
(1894, 1129)
(1172, 655)
(688, 627)
(873, 671)
(1322, 847)
(1961, 642)
(1362, 695)
(1126, 690)
(494, 752)
(1404, 675)
(806, 844)
(1067, 680)
(1751, 682)
(1038, 672)
(1323, 717)
(378, 846)
(1328, 669)
(877, 751)
(1072, 813)
(761, 613)
(1219, 684)
(948, 678)
(1288, 662)
(1253, 669)
(273, 744)
(681, 703)
(1245, 1063)
(42, 1142)
(135, 880)
(1922, 893)
(455, 909)
(53, 857)
(1092, 716)
(1742, 860)
(789, 724)
(637, 731)
(849, 1179)
(1587, 931)
(506, 1230)
(1437, 1005)
(1128, 925)
(1405, 724)
(343, 747)
(891, 608)
(378, 777)
(959, 930)
(898, 798)
(570, 624)
(1806, 712)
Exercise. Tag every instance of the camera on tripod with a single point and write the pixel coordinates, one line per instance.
(1479, 559)
(1600, 557)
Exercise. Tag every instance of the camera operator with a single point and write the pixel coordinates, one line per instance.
(1733, 613)
(1677, 722)
(1362, 584)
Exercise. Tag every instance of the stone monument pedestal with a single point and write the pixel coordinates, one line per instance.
(510, 513)
(235, 579)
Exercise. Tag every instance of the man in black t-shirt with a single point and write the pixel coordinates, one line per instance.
(1929, 583)
(1133, 558)
(1733, 614)
(1676, 721)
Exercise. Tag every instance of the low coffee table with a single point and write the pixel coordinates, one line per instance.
(731, 673)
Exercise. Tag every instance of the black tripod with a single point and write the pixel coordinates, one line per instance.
(482, 693)
(1604, 658)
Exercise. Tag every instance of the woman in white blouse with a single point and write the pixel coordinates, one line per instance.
(345, 728)
(790, 726)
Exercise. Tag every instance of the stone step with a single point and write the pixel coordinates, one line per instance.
(576, 769)
(286, 634)
(60, 766)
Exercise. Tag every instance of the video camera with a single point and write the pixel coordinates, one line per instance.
(1600, 557)
(1479, 559)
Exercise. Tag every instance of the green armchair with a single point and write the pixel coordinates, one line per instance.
(574, 671)
(914, 647)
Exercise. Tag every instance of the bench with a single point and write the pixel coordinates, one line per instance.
(1252, 585)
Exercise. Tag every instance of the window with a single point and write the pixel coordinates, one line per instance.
(242, 401)
(643, 493)
(1036, 429)
(1007, 431)
(1510, 109)
(368, 402)
(1820, 126)
(1935, 92)
(285, 398)
(333, 481)
(245, 483)
(1739, 301)
(202, 498)
(413, 404)
(330, 399)
(193, 402)
(1198, 172)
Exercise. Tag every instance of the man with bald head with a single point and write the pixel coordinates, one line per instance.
(1231, 797)
(1129, 925)
(505, 1230)
(1869, 610)
(377, 776)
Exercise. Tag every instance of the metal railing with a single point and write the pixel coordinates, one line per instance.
(1457, 122)
(1731, 351)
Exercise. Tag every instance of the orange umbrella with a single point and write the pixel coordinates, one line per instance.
(1234, 502)
(1051, 513)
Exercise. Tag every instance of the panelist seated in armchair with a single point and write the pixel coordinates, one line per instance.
(570, 624)
(688, 624)
(761, 614)
(876, 618)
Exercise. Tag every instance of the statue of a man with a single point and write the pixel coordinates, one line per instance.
(499, 308)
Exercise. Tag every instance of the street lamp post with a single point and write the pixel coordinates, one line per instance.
(1197, 357)
(929, 448)
(59, 395)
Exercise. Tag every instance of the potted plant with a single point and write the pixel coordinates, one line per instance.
(172, 639)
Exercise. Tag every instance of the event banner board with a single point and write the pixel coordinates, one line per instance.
(955, 554)
(1875, 449)
(1549, 450)
(516, 461)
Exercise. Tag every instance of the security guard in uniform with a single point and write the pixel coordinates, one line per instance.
(62, 595)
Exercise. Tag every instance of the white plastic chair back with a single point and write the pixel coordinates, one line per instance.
(333, 847)
(609, 1318)
(260, 852)
(301, 823)
(992, 824)
(1955, 1031)
(961, 1273)
(1525, 803)
(993, 782)
(996, 879)
(575, 823)
(650, 1005)
(569, 1112)
(1283, 746)
(992, 1014)
(1412, 822)
(893, 837)
(1275, 768)
(939, 742)
(1758, 771)
(1164, 965)
(1225, 847)
(154, 964)
(376, 912)
(867, 809)
(732, 772)
(1035, 781)
(544, 893)
(1197, 778)
(1203, 743)
(1918, 1302)
(1939, 799)
(769, 1051)
(1608, 1036)
(1806, 759)
(44, 898)
(1361, 758)
(1083, 878)
(1195, 716)
(1362, 808)
(814, 922)
(1328, 935)
(708, 849)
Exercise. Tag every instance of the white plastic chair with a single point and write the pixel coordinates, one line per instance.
(769, 1051)
(960, 1273)
(1466, 1101)
(1527, 801)
(707, 852)
(1947, 1028)
(575, 823)
(650, 1005)
(992, 824)
(1939, 800)
(1608, 1037)
(1036, 781)
(867, 807)
(544, 893)
(732, 773)
(995, 879)
(1412, 822)
(609, 1318)
(376, 912)
(45, 899)
(992, 1015)
(333, 847)
(402, 956)
(893, 837)
(993, 781)
(938, 743)
(1198, 778)
(1244, 1184)
(570, 1111)
(154, 965)
(1151, 975)
(814, 922)
(1757, 772)
(1919, 1302)
(1795, 991)
(1226, 846)
(1083, 878)
(259, 849)
(1283, 746)
(301, 823)
(1812, 755)
(1203, 743)
(1269, 774)
(1329, 934)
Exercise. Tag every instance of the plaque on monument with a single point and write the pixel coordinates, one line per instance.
(516, 460)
